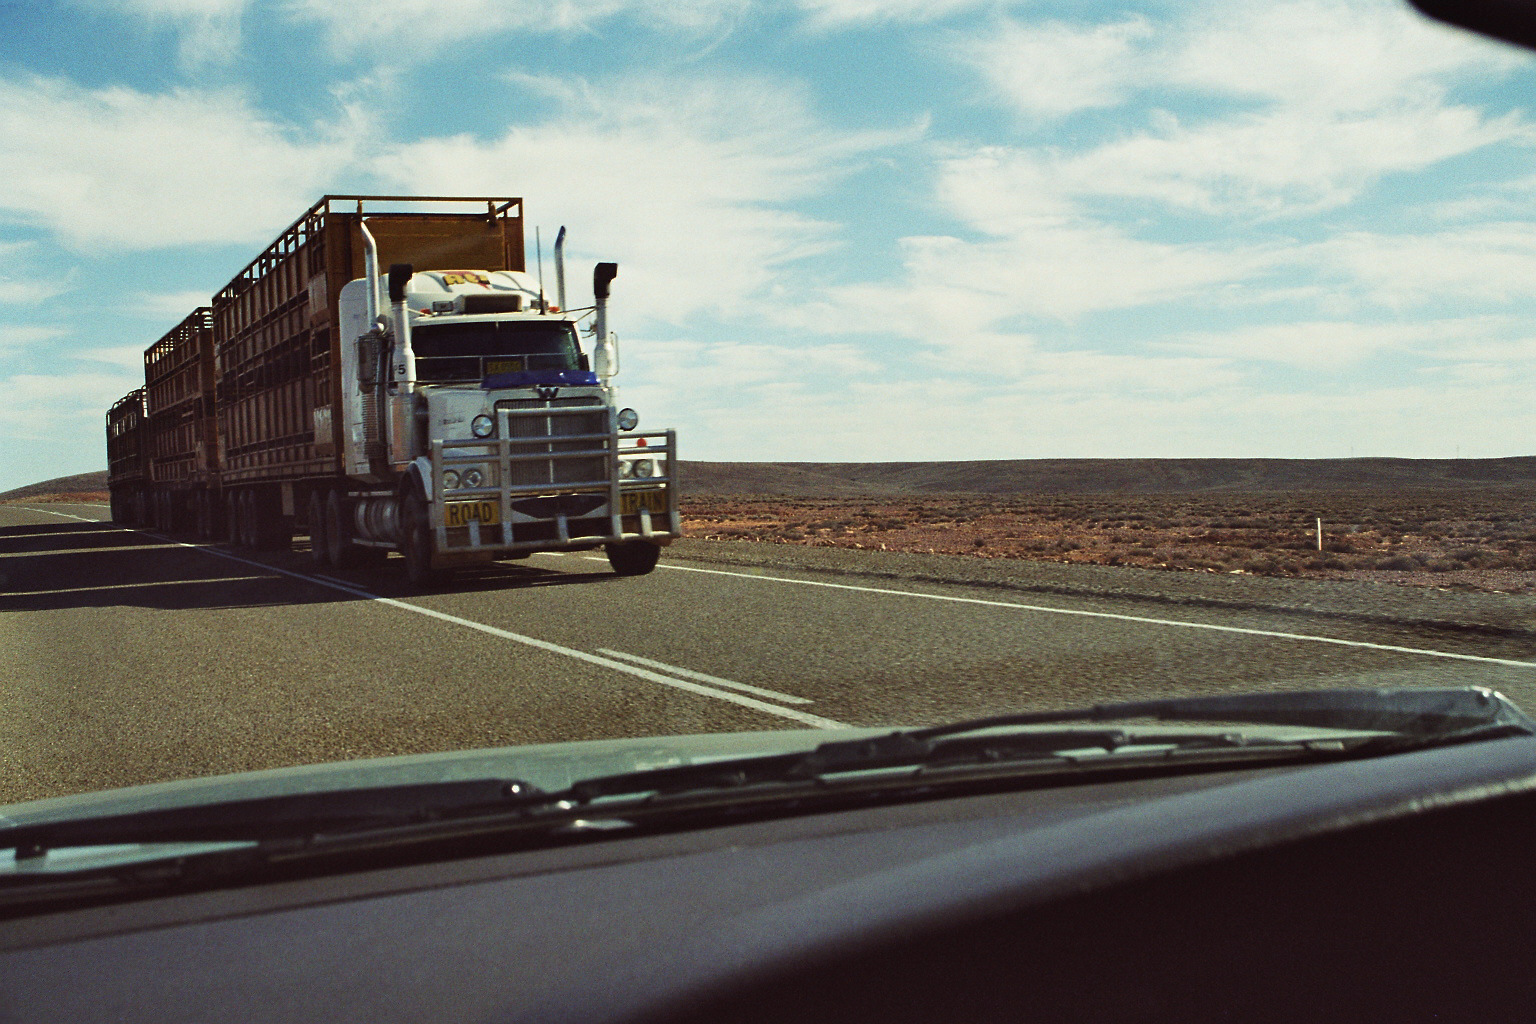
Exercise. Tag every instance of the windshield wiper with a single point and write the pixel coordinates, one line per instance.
(1443, 711)
(1383, 721)
(268, 819)
(1326, 723)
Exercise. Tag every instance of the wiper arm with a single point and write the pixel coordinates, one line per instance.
(296, 816)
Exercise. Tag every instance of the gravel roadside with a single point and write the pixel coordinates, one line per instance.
(1503, 616)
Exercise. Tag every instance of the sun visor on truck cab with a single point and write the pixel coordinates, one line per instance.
(540, 378)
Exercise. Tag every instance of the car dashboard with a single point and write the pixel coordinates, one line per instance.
(1393, 887)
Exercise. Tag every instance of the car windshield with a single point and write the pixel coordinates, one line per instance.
(475, 350)
(978, 358)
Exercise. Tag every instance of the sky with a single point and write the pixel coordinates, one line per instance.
(847, 230)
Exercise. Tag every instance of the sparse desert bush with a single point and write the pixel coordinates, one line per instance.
(1263, 534)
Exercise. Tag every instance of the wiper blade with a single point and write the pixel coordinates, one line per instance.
(1393, 719)
(1445, 711)
(1382, 721)
(265, 819)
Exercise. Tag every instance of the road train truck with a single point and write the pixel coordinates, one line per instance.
(389, 376)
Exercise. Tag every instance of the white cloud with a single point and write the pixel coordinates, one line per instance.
(1326, 346)
(1330, 56)
(1061, 376)
(1053, 239)
(415, 29)
(53, 424)
(687, 183)
(977, 417)
(15, 338)
(1053, 69)
(1337, 55)
(129, 357)
(171, 307)
(1039, 267)
(21, 282)
(837, 14)
(1486, 263)
(209, 29)
(1342, 94)
(1285, 162)
(114, 168)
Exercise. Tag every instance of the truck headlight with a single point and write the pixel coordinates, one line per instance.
(482, 426)
(645, 467)
(473, 478)
(628, 419)
(450, 479)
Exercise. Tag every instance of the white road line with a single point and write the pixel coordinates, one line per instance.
(689, 673)
(1146, 620)
(136, 586)
(815, 721)
(50, 512)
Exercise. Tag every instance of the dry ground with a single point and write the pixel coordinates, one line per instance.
(1469, 539)
(1482, 539)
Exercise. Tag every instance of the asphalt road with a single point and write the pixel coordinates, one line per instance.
(129, 657)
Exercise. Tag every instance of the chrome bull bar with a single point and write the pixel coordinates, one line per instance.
(555, 451)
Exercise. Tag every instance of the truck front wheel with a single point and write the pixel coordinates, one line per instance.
(632, 557)
(416, 542)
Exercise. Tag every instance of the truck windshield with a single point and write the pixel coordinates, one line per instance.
(476, 350)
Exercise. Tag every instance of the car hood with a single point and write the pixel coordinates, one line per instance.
(548, 766)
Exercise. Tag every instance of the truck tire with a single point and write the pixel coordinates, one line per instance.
(202, 514)
(233, 531)
(416, 542)
(632, 557)
(319, 547)
(339, 534)
(274, 531)
(245, 501)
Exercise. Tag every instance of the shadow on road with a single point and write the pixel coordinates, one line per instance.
(100, 565)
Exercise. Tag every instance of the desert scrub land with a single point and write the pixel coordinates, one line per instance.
(1482, 539)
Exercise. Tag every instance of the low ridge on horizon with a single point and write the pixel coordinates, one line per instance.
(1038, 476)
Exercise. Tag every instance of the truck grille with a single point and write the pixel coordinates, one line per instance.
(558, 471)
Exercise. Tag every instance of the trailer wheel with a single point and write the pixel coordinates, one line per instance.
(319, 532)
(246, 503)
(232, 528)
(274, 531)
(216, 513)
(339, 549)
(416, 542)
(632, 557)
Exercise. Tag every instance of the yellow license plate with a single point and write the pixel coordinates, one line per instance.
(462, 513)
(503, 366)
(631, 502)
